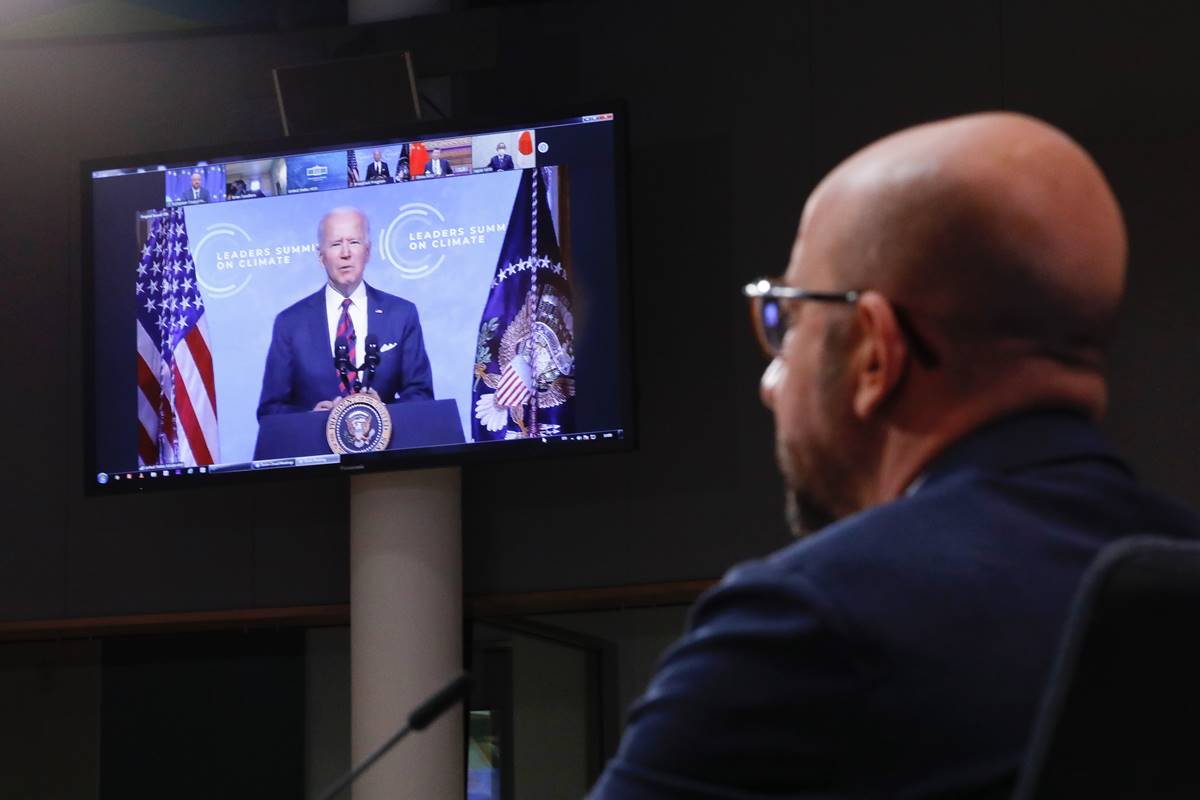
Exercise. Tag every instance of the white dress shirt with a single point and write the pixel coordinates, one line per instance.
(358, 315)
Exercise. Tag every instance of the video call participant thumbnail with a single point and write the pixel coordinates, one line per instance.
(198, 193)
(377, 170)
(437, 165)
(502, 161)
(300, 373)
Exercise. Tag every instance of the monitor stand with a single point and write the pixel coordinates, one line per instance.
(406, 620)
(405, 628)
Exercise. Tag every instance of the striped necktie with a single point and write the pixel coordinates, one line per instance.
(345, 327)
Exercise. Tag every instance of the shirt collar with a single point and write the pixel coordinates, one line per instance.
(915, 486)
(333, 298)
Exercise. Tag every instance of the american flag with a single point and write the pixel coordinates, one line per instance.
(177, 400)
(351, 168)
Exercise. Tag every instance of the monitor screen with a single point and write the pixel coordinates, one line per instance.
(410, 299)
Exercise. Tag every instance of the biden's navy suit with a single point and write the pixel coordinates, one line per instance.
(300, 371)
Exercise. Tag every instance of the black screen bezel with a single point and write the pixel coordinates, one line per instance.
(419, 458)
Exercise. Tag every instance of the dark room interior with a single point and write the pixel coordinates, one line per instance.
(195, 642)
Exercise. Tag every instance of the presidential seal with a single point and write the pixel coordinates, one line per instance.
(536, 363)
(358, 423)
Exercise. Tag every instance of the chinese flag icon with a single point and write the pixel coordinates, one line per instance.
(525, 143)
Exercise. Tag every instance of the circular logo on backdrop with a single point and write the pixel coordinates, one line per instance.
(228, 289)
(402, 241)
(358, 423)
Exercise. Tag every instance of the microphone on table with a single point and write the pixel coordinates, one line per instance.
(421, 718)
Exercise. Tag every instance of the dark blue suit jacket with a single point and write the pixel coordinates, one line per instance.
(299, 372)
(380, 172)
(501, 163)
(187, 196)
(901, 652)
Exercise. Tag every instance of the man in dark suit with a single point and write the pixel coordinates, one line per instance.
(377, 170)
(438, 165)
(502, 160)
(938, 346)
(300, 373)
(196, 194)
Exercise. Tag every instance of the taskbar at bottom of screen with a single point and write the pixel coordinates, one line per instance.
(173, 472)
(163, 472)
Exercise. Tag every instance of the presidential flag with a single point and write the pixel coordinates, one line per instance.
(524, 377)
(177, 399)
(402, 171)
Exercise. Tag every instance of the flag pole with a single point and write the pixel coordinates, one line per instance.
(532, 303)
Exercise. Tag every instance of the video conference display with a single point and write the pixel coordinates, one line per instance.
(367, 302)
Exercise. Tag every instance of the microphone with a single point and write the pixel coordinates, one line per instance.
(341, 359)
(420, 719)
(424, 715)
(371, 363)
(341, 353)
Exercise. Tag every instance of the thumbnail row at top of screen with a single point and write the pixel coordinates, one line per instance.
(338, 169)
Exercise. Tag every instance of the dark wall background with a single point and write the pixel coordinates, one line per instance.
(734, 119)
(237, 730)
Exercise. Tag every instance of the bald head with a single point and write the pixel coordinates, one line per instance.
(996, 232)
(988, 257)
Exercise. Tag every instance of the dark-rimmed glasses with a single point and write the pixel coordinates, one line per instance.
(771, 315)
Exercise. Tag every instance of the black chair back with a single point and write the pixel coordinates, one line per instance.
(1121, 714)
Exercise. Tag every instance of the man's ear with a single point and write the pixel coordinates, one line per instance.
(881, 354)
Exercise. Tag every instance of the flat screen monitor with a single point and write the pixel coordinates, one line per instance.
(405, 298)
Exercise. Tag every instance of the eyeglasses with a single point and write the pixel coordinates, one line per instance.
(771, 316)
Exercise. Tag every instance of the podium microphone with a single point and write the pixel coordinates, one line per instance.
(341, 359)
(371, 362)
(420, 719)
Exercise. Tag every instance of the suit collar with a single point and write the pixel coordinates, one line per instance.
(374, 302)
(1023, 440)
(375, 305)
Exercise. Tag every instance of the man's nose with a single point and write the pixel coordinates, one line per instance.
(772, 377)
